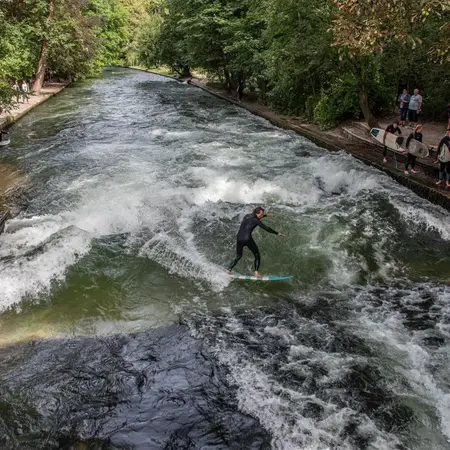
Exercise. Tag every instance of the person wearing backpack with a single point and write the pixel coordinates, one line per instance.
(444, 158)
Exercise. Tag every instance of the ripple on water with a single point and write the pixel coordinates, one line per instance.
(135, 205)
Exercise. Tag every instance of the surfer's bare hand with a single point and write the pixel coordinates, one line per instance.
(269, 214)
(281, 235)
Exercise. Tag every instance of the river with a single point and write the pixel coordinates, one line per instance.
(120, 330)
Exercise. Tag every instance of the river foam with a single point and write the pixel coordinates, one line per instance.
(143, 211)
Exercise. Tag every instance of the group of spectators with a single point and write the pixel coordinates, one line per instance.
(410, 109)
(22, 91)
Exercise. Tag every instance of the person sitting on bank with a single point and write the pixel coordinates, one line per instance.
(393, 128)
(444, 158)
(418, 136)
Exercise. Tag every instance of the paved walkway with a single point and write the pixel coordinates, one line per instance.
(21, 109)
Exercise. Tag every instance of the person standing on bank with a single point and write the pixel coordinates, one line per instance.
(240, 90)
(414, 108)
(393, 128)
(418, 136)
(448, 114)
(16, 88)
(25, 90)
(245, 239)
(403, 100)
(444, 158)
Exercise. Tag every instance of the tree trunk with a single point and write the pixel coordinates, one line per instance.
(42, 62)
(364, 104)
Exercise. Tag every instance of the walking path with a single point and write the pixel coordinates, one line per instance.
(21, 109)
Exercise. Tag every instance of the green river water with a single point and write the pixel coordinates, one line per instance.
(120, 330)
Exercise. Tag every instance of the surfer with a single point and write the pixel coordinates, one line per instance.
(417, 135)
(444, 158)
(244, 237)
(393, 128)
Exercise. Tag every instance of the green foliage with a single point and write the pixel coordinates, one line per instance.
(112, 29)
(327, 60)
(82, 35)
(338, 102)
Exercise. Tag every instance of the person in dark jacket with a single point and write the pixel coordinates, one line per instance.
(393, 128)
(403, 100)
(245, 239)
(448, 114)
(240, 90)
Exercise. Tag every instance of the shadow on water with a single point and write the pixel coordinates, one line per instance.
(152, 390)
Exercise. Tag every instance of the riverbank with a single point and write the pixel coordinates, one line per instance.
(12, 181)
(353, 138)
(48, 91)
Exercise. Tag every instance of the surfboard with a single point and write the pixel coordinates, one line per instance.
(237, 276)
(418, 149)
(5, 142)
(393, 142)
(444, 154)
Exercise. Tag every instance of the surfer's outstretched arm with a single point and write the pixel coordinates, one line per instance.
(268, 229)
(265, 227)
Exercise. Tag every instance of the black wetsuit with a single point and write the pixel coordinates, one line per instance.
(244, 239)
(2, 133)
(411, 158)
(393, 130)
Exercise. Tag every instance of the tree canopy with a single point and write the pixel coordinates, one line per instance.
(326, 60)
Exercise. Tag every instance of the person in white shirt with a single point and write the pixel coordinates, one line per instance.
(414, 108)
(25, 91)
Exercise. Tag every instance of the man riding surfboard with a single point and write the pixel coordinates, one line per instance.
(245, 239)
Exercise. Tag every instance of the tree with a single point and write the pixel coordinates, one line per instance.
(112, 30)
(364, 28)
(42, 60)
